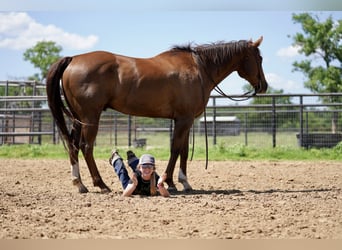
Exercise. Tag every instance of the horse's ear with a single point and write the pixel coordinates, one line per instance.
(258, 42)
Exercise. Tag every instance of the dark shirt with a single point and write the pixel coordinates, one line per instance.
(143, 187)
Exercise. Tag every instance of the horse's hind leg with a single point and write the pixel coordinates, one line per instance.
(73, 154)
(89, 133)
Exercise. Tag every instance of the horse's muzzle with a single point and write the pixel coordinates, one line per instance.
(261, 88)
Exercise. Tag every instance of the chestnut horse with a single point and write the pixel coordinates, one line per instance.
(175, 84)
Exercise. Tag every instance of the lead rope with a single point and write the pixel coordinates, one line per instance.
(243, 97)
(206, 135)
(206, 138)
(205, 127)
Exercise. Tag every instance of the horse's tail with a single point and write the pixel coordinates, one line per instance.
(53, 90)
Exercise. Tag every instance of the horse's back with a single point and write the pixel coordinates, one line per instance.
(116, 81)
(92, 61)
(102, 62)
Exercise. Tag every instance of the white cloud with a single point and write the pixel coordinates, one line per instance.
(278, 82)
(290, 51)
(19, 31)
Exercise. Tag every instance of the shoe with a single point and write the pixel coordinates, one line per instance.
(130, 155)
(115, 155)
(132, 160)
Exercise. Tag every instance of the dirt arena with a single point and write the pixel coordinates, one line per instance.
(231, 200)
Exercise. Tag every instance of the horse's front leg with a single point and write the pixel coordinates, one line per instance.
(171, 167)
(182, 175)
(179, 145)
(89, 133)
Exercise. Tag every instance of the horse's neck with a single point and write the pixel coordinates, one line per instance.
(229, 66)
(224, 72)
(217, 73)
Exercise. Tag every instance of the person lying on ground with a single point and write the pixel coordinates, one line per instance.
(144, 181)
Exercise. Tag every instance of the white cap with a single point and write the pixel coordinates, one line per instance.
(146, 159)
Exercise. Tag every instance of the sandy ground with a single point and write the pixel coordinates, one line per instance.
(231, 200)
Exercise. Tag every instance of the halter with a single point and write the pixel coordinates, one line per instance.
(244, 97)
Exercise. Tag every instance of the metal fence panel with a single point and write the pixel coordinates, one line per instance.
(304, 121)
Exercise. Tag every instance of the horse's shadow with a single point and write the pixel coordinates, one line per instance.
(242, 192)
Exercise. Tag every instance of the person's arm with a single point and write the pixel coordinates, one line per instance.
(131, 186)
(162, 190)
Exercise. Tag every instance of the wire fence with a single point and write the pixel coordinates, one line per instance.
(277, 120)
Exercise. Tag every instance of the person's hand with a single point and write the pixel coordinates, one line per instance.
(162, 178)
(132, 185)
(162, 190)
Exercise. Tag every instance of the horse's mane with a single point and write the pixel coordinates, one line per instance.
(215, 52)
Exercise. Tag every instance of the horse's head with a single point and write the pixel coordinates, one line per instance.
(251, 68)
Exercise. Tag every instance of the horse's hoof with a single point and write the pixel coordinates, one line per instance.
(82, 189)
(172, 189)
(105, 190)
(186, 185)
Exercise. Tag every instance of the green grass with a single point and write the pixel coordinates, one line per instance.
(220, 152)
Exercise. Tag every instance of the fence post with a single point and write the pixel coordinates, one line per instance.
(39, 127)
(6, 113)
(301, 125)
(115, 128)
(274, 123)
(246, 129)
(129, 131)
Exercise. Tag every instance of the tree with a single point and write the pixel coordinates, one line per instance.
(320, 42)
(42, 56)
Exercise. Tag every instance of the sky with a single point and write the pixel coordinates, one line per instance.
(147, 28)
